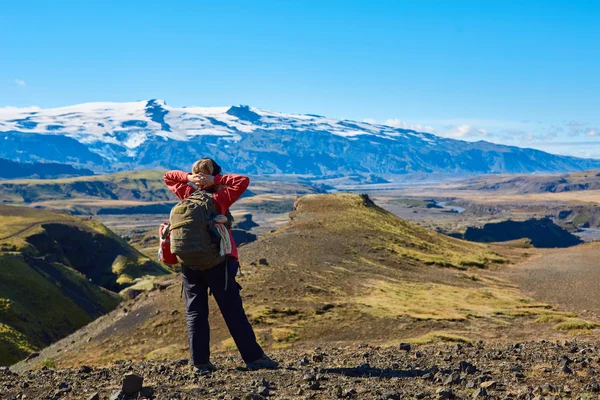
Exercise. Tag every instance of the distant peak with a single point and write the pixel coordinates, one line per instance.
(156, 112)
(156, 103)
(244, 113)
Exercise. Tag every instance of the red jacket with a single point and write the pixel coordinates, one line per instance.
(224, 198)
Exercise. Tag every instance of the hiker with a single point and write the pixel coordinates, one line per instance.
(220, 192)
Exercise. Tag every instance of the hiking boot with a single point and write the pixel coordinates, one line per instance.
(205, 367)
(263, 363)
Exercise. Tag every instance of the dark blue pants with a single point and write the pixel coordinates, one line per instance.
(196, 285)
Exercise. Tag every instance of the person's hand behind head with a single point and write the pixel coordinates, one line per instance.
(203, 180)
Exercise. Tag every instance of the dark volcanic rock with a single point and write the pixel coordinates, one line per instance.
(132, 384)
(404, 346)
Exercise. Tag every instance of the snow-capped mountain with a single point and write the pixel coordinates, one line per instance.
(151, 134)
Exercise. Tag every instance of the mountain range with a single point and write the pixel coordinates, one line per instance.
(106, 137)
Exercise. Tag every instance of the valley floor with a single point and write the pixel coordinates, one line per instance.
(569, 278)
(479, 370)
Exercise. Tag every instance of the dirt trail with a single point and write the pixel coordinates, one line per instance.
(569, 278)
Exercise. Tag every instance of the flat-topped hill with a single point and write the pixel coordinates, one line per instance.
(525, 184)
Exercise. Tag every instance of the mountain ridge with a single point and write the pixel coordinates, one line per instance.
(108, 137)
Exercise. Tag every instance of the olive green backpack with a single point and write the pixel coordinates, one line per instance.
(194, 239)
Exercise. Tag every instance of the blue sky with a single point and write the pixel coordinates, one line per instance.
(514, 72)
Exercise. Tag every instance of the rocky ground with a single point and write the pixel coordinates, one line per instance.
(528, 370)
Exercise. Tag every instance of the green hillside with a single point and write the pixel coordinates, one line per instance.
(58, 273)
(84, 245)
(132, 185)
(41, 302)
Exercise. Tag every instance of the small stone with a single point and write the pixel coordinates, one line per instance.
(132, 384)
(317, 357)
(117, 395)
(84, 369)
(263, 391)
(147, 391)
(467, 367)
(95, 396)
(349, 393)
(309, 377)
(564, 361)
(300, 392)
(263, 261)
(63, 385)
(304, 361)
(470, 384)
(404, 346)
(452, 379)
(546, 388)
(480, 393)
(566, 370)
(491, 385)
(315, 386)
(254, 396)
(594, 387)
(445, 394)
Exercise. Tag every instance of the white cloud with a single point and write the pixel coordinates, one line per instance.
(396, 123)
(464, 131)
(577, 128)
(20, 82)
(369, 121)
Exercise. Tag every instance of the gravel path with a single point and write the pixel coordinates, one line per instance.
(479, 371)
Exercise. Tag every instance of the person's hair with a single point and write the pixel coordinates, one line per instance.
(206, 166)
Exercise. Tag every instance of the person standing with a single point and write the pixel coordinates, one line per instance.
(219, 279)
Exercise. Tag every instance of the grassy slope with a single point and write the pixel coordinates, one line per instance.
(43, 302)
(43, 293)
(97, 252)
(134, 185)
(342, 270)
